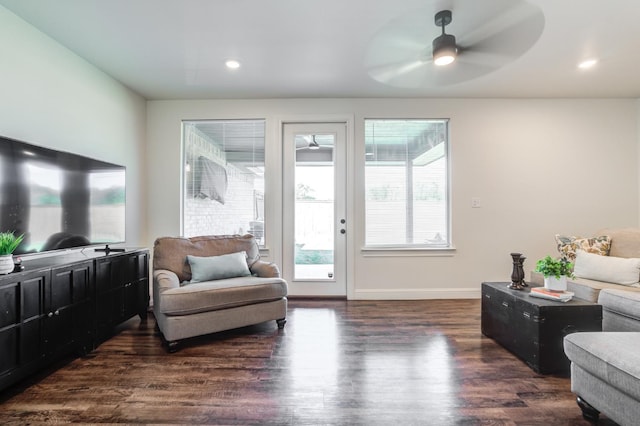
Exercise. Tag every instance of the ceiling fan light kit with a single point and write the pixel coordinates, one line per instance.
(444, 46)
(444, 49)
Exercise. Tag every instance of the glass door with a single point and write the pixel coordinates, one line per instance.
(314, 216)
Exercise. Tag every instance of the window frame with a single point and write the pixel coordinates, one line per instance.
(411, 249)
(185, 164)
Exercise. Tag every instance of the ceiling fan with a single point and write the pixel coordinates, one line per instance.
(309, 142)
(407, 51)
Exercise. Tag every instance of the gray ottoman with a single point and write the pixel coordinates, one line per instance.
(605, 374)
(620, 310)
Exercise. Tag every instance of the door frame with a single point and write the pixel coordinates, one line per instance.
(348, 121)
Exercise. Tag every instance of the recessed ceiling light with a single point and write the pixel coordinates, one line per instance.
(589, 63)
(232, 64)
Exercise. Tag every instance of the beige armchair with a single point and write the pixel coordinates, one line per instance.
(207, 284)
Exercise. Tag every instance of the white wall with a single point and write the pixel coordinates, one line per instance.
(539, 167)
(51, 97)
(638, 153)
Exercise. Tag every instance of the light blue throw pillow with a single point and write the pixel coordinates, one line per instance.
(218, 267)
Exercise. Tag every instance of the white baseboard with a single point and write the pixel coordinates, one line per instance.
(414, 294)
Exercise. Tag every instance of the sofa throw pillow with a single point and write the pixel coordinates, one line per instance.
(617, 270)
(567, 246)
(218, 267)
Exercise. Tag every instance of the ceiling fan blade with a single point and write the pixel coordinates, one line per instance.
(511, 35)
(395, 49)
(513, 30)
(487, 58)
(390, 72)
(400, 54)
(400, 43)
(455, 73)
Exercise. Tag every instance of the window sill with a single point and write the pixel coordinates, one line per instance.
(408, 251)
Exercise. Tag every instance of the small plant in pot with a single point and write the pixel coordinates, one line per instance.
(8, 244)
(555, 272)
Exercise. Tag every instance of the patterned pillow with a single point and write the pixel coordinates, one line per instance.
(567, 246)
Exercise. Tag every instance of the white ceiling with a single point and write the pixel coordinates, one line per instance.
(176, 49)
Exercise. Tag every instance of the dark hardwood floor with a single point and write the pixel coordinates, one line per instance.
(336, 362)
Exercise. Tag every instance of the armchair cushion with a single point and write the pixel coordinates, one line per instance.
(170, 253)
(218, 267)
(219, 294)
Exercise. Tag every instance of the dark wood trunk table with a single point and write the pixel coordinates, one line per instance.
(533, 328)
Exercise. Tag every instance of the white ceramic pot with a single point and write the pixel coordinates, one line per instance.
(6, 264)
(556, 284)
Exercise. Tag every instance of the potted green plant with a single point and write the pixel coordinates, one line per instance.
(555, 272)
(8, 244)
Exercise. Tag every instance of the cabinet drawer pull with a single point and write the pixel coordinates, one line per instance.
(505, 304)
(57, 312)
(50, 314)
(526, 314)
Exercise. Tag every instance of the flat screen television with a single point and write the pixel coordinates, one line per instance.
(59, 200)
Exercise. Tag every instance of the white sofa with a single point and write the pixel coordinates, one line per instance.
(620, 307)
(605, 372)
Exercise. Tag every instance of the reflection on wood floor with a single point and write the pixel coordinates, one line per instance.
(336, 362)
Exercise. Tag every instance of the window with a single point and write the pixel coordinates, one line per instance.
(224, 177)
(406, 183)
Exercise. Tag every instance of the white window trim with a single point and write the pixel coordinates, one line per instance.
(413, 250)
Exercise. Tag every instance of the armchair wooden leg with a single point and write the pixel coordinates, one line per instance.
(173, 346)
(281, 322)
(588, 412)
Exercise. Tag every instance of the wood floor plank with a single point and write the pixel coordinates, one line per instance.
(336, 362)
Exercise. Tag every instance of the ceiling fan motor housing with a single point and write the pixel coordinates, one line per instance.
(445, 41)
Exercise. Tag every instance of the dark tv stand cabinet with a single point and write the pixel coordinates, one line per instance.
(67, 304)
